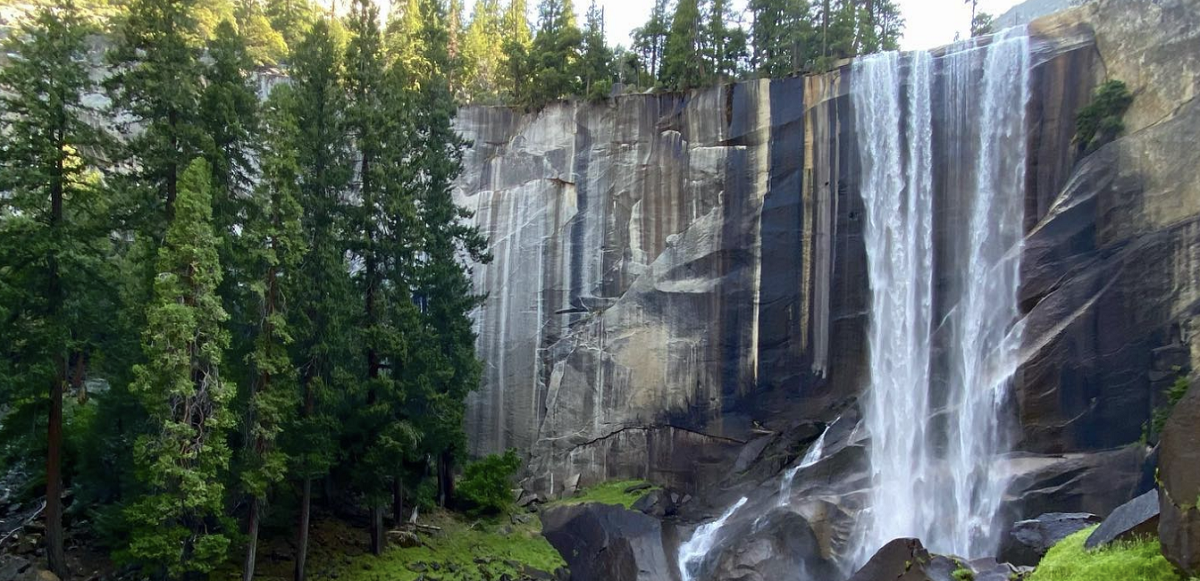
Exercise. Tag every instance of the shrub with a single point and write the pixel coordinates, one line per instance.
(487, 483)
(1100, 121)
(1139, 559)
(1174, 394)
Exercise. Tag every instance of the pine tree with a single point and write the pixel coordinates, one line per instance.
(264, 45)
(483, 52)
(555, 52)
(319, 314)
(596, 63)
(724, 44)
(229, 121)
(156, 82)
(274, 233)
(176, 528)
(440, 365)
(49, 243)
(291, 18)
(783, 36)
(404, 43)
(371, 128)
(515, 77)
(683, 65)
(650, 40)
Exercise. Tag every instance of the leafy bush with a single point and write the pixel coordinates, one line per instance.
(1100, 121)
(1139, 559)
(1174, 394)
(487, 483)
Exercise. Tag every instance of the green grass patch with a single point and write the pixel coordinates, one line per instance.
(611, 493)
(1139, 559)
(463, 549)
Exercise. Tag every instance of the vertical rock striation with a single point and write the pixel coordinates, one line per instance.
(674, 274)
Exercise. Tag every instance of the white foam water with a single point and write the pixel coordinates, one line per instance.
(934, 415)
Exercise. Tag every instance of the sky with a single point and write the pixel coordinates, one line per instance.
(930, 23)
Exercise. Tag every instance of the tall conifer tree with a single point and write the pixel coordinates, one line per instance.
(320, 312)
(51, 243)
(156, 83)
(273, 232)
(176, 527)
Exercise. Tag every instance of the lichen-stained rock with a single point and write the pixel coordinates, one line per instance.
(1179, 485)
(1111, 271)
(675, 275)
(665, 275)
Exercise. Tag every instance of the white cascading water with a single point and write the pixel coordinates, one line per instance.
(941, 484)
(812, 456)
(692, 552)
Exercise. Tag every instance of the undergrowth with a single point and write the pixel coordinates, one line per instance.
(1139, 559)
(612, 493)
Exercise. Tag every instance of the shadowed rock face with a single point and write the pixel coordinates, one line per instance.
(1179, 485)
(674, 273)
(668, 270)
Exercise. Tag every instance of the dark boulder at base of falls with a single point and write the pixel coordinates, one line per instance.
(1179, 484)
(1029, 539)
(602, 542)
(1136, 518)
(781, 546)
(906, 560)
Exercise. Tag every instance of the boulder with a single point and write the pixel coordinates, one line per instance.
(906, 560)
(1030, 539)
(1093, 482)
(1138, 517)
(1179, 485)
(777, 546)
(603, 542)
(657, 503)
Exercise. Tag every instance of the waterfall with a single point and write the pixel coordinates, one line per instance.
(942, 343)
(812, 456)
(702, 541)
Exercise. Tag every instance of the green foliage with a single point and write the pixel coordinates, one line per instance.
(552, 61)
(596, 63)
(1138, 559)
(963, 574)
(612, 493)
(275, 241)
(176, 526)
(1174, 394)
(1100, 121)
(682, 65)
(982, 24)
(487, 483)
(475, 548)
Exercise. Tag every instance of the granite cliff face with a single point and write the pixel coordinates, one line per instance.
(676, 275)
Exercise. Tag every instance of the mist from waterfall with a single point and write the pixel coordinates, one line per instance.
(943, 252)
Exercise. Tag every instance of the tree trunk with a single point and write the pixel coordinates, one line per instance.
(397, 500)
(825, 29)
(172, 171)
(302, 532)
(252, 540)
(445, 479)
(377, 538)
(55, 557)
